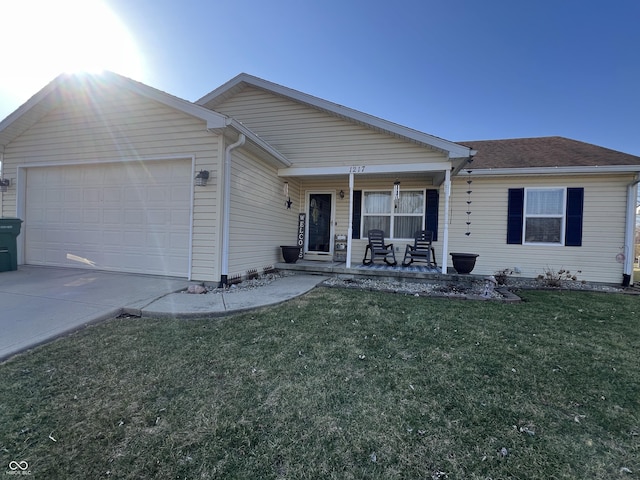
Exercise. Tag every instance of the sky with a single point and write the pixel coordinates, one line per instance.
(457, 69)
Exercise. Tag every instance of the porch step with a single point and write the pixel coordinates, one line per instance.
(378, 271)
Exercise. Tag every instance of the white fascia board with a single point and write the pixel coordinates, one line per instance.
(240, 128)
(453, 150)
(32, 102)
(516, 172)
(364, 169)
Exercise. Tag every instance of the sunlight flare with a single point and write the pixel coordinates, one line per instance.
(44, 39)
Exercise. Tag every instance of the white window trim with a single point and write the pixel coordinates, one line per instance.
(562, 216)
(391, 214)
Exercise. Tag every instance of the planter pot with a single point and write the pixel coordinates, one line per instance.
(464, 262)
(290, 253)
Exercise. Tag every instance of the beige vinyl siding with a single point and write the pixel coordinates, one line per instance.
(310, 137)
(602, 236)
(259, 219)
(114, 125)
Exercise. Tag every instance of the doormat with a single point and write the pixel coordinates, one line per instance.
(400, 268)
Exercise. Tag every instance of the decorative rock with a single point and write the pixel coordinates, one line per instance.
(196, 289)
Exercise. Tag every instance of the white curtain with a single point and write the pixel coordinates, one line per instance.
(408, 217)
(545, 201)
(410, 202)
(377, 202)
(380, 210)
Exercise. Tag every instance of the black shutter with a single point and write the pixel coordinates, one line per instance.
(515, 216)
(431, 212)
(573, 228)
(357, 214)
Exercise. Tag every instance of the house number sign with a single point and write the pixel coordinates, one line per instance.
(357, 169)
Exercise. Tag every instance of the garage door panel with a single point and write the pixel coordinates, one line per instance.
(112, 217)
(91, 216)
(135, 239)
(73, 215)
(179, 194)
(156, 194)
(112, 194)
(74, 194)
(157, 217)
(123, 217)
(133, 218)
(179, 218)
(92, 196)
(87, 237)
(54, 195)
(74, 176)
(176, 240)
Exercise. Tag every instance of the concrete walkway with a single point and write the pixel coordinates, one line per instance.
(38, 304)
(184, 305)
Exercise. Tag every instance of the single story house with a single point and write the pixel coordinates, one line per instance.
(112, 174)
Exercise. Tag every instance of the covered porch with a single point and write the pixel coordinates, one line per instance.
(351, 201)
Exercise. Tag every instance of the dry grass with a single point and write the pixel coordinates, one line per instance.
(338, 384)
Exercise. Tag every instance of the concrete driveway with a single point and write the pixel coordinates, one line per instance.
(41, 303)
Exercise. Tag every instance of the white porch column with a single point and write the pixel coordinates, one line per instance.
(445, 233)
(350, 230)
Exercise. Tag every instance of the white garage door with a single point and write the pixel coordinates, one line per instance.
(127, 217)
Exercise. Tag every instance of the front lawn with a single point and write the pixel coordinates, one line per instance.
(337, 384)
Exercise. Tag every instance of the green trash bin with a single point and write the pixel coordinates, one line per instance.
(9, 231)
(5, 260)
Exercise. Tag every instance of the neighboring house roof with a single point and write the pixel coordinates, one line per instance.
(47, 98)
(556, 154)
(240, 82)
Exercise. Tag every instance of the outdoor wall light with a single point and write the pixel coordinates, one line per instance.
(202, 177)
(4, 184)
(341, 194)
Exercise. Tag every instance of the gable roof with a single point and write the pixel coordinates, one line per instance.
(48, 97)
(240, 82)
(52, 94)
(548, 155)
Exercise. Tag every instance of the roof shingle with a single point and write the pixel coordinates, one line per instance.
(544, 152)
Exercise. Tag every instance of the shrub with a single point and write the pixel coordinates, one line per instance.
(553, 278)
(501, 276)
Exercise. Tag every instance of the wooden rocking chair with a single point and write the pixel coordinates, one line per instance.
(377, 248)
(421, 250)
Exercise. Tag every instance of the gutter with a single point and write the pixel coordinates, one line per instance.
(226, 209)
(556, 170)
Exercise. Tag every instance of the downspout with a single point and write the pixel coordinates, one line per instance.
(629, 241)
(350, 230)
(445, 233)
(226, 209)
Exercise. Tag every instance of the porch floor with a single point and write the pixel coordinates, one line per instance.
(416, 272)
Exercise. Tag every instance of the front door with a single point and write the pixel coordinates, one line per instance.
(319, 226)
